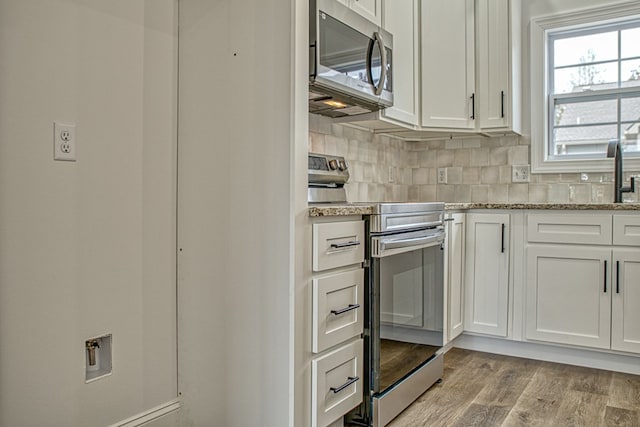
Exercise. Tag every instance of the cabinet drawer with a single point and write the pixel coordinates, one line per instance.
(336, 383)
(563, 228)
(338, 308)
(626, 230)
(336, 244)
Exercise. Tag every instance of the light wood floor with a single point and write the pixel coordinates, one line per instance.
(482, 389)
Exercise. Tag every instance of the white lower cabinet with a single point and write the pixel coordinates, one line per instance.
(625, 316)
(569, 295)
(583, 294)
(337, 319)
(486, 278)
(455, 274)
(336, 383)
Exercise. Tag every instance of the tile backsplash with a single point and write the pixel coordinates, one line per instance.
(478, 169)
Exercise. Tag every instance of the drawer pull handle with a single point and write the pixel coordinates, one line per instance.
(345, 245)
(345, 385)
(344, 310)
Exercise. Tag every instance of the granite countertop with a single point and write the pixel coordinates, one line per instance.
(368, 208)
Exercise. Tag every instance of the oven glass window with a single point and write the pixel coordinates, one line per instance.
(411, 286)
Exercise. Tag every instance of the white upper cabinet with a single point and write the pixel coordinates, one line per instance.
(401, 18)
(456, 65)
(370, 9)
(498, 33)
(448, 69)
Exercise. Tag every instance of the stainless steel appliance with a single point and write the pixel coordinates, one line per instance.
(327, 176)
(404, 317)
(350, 62)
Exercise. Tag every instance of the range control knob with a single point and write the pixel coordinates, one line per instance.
(343, 165)
(333, 164)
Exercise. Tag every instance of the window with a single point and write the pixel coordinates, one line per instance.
(587, 92)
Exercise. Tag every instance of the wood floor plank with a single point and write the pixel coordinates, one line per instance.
(620, 417)
(580, 408)
(541, 399)
(625, 391)
(511, 379)
(589, 380)
(482, 416)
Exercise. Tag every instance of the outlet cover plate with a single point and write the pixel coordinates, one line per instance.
(442, 175)
(520, 173)
(64, 142)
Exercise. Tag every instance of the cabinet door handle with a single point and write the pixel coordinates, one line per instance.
(345, 244)
(473, 106)
(344, 310)
(605, 276)
(350, 381)
(502, 104)
(502, 239)
(617, 277)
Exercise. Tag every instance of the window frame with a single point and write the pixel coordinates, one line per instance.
(541, 101)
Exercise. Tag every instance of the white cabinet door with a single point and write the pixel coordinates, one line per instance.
(487, 274)
(402, 19)
(370, 9)
(625, 317)
(568, 292)
(492, 30)
(455, 274)
(498, 31)
(448, 63)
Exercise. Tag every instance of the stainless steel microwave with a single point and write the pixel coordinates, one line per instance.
(350, 62)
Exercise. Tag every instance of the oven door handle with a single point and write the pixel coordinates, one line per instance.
(393, 246)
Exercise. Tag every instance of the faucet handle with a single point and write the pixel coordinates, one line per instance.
(631, 188)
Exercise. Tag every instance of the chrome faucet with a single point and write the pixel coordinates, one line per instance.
(614, 149)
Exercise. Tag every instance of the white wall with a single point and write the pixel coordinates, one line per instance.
(87, 248)
(235, 211)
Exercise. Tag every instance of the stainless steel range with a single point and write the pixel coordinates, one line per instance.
(404, 316)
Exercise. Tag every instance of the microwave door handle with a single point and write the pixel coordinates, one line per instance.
(383, 63)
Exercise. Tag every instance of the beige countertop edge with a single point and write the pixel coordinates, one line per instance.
(367, 209)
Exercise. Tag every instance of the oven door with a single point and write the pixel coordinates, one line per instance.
(351, 53)
(406, 306)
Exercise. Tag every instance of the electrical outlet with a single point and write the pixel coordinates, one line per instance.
(64, 142)
(520, 173)
(442, 175)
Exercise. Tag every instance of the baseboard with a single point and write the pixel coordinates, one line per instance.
(551, 353)
(150, 415)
